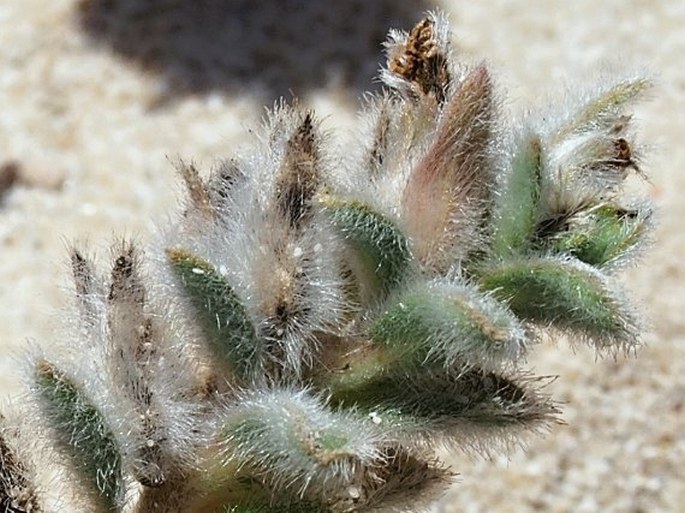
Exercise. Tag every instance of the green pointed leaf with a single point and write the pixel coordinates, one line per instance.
(566, 294)
(353, 369)
(455, 403)
(82, 432)
(403, 483)
(601, 236)
(446, 323)
(295, 442)
(518, 205)
(379, 244)
(295, 507)
(232, 487)
(223, 317)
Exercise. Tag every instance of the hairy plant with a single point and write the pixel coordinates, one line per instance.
(317, 322)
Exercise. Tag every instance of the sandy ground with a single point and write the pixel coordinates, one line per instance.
(96, 96)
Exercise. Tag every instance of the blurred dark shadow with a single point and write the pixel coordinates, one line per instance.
(264, 47)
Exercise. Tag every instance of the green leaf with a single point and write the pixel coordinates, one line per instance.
(353, 369)
(518, 205)
(566, 294)
(404, 482)
(279, 507)
(382, 249)
(82, 432)
(458, 404)
(295, 442)
(602, 235)
(223, 317)
(446, 323)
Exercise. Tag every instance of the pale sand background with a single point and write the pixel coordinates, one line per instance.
(91, 109)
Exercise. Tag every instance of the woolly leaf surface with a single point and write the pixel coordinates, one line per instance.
(379, 244)
(566, 294)
(223, 317)
(518, 204)
(296, 507)
(458, 404)
(603, 235)
(293, 441)
(446, 322)
(82, 432)
(445, 200)
(602, 110)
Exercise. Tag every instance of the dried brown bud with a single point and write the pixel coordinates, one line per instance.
(422, 61)
(298, 176)
(198, 191)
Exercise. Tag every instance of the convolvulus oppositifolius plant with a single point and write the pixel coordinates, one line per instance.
(317, 321)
